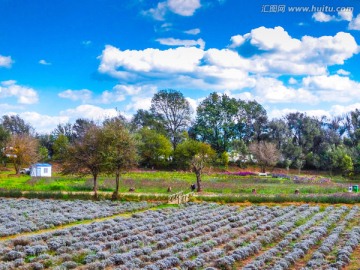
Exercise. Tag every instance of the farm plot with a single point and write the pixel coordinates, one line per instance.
(197, 236)
(23, 215)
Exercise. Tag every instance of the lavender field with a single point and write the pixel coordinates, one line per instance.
(195, 236)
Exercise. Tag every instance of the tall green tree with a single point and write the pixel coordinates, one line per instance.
(196, 156)
(172, 109)
(154, 149)
(4, 137)
(120, 150)
(60, 146)
(216, 121)
(146, 119)
(14, 124)
(86, 155)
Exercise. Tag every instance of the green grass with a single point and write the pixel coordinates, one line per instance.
(159, 181)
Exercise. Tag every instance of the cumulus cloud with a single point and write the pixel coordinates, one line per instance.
(88, 111)
(342, 15)
(236, 41)
(322, 17)
(44, 62)
(139, 102)
(292, 81)
(346, 15)
(333, 88)
(184, 7)
(270, 90)
(182, 42)
(355, 23)
(179, 7)
(343, 72)
(83, 95)
(227, 69)
(23, 94)
(43, 123)
(194, 31)
(6, 61)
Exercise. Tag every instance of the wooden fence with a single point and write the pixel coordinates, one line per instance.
(179, 198)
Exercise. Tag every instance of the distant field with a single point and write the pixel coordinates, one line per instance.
(159, 181)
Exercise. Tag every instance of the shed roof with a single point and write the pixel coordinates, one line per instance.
(42, 165)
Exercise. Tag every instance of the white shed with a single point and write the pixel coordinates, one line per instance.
(40, 170)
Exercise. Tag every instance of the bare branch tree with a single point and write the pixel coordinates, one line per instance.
(265, 153)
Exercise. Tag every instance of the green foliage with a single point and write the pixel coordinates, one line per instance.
(43, 154)
(60, 146)
(173, 111)
(14, 124)
(4, 137)
(224, 159)
(189, 150)
(154, 149)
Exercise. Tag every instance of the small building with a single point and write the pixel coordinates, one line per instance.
(40, 170)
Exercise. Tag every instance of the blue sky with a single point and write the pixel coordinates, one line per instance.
(61, 60)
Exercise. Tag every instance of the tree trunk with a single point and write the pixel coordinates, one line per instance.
(117, 186)
(17, 168)
(263, 169)
(95, 186)
(198, 180)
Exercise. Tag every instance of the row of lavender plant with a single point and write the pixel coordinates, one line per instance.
(113, 236)
(268, 257)
(308, 240)
(191, 237)
(24, 215)
(279, 227)
(318, 258)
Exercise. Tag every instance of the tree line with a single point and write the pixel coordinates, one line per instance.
(170, 135)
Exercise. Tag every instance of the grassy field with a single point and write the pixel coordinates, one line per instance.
(159, 181)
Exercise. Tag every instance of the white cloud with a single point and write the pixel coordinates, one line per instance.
(182, 42)
(333, 88)
(89, 111)
(355, 23)
(110, 97)
(343, 109)
(6, 108)
(346, 15)
(184, 7)
(139, 102)
(24, 94)
(6, 61)
(44, 62)
(159, 12)
(43, 123)
(322, 17)
(236, 41)
(270, 90)
(226, 69)
(292, 81)
(343, 72)
(179, 7)
(343, 15)
(273, 39)
(83, 95)
(194, 31)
